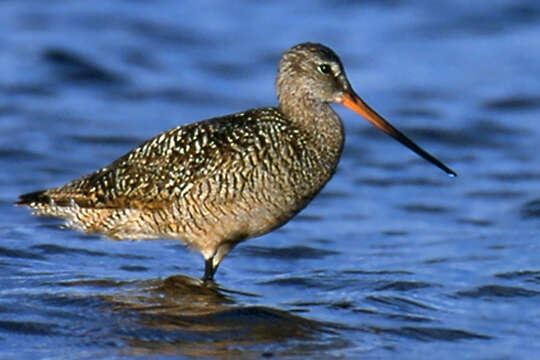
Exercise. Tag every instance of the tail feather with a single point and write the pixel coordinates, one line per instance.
(36, 197)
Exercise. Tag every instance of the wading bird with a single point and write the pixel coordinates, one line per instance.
(218, 182)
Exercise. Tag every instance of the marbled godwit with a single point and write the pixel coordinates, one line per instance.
(218, 182)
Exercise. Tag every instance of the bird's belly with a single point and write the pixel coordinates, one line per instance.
(244, 217)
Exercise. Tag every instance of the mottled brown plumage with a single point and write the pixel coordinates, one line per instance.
(215, 183)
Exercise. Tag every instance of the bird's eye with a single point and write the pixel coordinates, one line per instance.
(325, 69)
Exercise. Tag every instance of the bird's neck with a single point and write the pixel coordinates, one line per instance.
(320, 124)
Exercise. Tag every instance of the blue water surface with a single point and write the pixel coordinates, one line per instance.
(393, 260)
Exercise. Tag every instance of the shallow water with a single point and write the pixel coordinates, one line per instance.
(392, 260)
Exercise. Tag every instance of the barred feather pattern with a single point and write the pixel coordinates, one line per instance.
(231, 178)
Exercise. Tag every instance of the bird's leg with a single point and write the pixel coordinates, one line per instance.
(209, 271)
(212, 263)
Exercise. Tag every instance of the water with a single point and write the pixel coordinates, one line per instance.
(392, 260)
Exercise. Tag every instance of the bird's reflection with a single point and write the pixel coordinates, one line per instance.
(181, 315)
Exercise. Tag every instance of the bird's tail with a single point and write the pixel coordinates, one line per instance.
(33, 198)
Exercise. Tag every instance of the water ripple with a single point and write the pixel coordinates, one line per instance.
(397, 181)
(29, 328)
(528, 274)
(498, 291)
(509, 177)
(425, 208)
(403, 285)
(432, 333)
(399, 302)
(177, 95)
(53, 249)
(19, 254)
(112, 140)
(531, 209)
(514, 103)
(286, 253)
(495, 194)
(73, 67)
